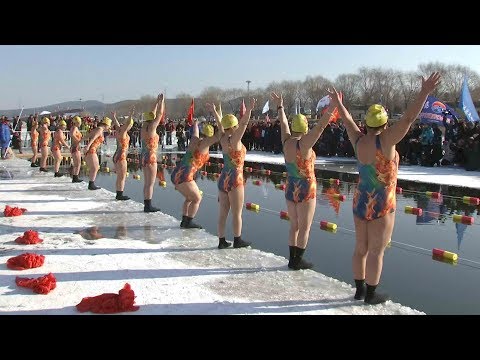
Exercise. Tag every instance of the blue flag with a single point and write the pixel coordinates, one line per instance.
(434, 110)
(466, 103)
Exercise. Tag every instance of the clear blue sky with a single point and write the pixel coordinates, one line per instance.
(38, 75)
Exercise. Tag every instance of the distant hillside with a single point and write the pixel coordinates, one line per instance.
(175, 108)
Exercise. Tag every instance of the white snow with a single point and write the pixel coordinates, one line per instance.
(172, 271)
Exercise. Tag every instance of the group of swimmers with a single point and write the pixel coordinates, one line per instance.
(374, 200)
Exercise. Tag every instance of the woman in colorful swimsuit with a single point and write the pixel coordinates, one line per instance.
(58, 142)
(184, 174)
(95, 139)
(76, 138)
(120, 156)
(374, 200)
(34, 141)
(44, 139)
(148, 158)
(230, 183)
(301, 187)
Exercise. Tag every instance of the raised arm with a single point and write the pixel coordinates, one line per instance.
(158, 111)
(242, 124)
(284, 129)
(218, 119)
(396, 132)
(117, 124)
(308, 140)
(127, 125)
(352, 128)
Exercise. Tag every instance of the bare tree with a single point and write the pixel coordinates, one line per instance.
(409, 85)
(349, 84)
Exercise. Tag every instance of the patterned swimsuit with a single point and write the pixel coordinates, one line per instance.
(186, 169)
(96, 143)
(149, 150)
(34, 137)
(122, 149)
(232, 173)
(45, 137)
(56, 142)
(78, 137)
(301, 181)
(375, 196)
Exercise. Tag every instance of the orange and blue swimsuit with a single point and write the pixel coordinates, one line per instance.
(375, 196)
(77, 135)
(186, 169)
(45, 137)
(96, 143)
(301, 181)
(34, 138)
(149, 150)
(232, 173)
(122, 149)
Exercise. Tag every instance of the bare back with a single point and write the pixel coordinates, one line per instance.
(290, 150)
(366, 150)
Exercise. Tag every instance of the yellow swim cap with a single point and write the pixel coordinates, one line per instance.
(300, 124)
(46, 120)
(107, 121)
(208, 130)
(62, 123)
(77, 120)
(229, 121)
(376, 116)
(148, 116)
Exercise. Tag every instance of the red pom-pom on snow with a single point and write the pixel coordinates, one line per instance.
(25, 261)
(42, 285)
(13, 211)
(110, 303)
(29, 237)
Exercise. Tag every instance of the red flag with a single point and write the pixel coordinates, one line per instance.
(190, 113)
(243, 108)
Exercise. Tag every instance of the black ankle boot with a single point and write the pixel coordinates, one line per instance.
(361, 289)
(189, 224)
(148, 206)
(184, 219)
(34, 165)
(239, 243)
(120, 196)
(58, 174)
(43, 169)
(298, 262)
(292, 255)
(91, 186)
(223, 244)
(374, 298)
(75, 179)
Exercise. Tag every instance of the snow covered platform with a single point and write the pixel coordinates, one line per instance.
(94, 244)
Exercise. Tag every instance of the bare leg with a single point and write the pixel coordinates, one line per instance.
(379, 233)
(149, 172)
(121, 170)
(77, 161)
(223, 210)
(44, 156)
